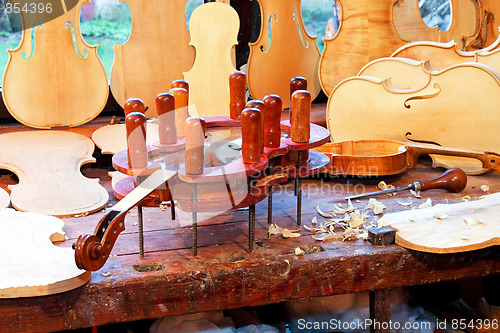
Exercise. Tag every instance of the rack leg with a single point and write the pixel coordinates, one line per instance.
(270, 205)
(195, 222)
(251, 228)
(172, 209)
(298, 189)
(195, 233)
(141, 231)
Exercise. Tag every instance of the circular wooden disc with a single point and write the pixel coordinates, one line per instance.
(30, 265)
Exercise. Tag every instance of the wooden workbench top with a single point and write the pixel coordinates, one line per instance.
(224, 275)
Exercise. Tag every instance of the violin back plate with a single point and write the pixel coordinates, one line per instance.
(156, 53)
(53, 78)
(214, 30)
(284, 50)
(48, 164)
(409, 23)
(31, 265)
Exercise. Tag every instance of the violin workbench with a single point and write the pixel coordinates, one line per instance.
(169, 280)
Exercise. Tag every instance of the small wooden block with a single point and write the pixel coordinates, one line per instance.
(381, 236)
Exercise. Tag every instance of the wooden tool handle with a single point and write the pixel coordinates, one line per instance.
(237, 94)
(414, 150)
(301, 105)
(251, 126)
(453, 180)
(297, 83)
(180, 84)
(165, 105)
(181, 109)
(133, 105)
(272, 118)
(262, 108)
(135, 124)
(195, 141)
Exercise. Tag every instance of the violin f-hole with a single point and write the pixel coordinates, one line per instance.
(306, 43)
(414, 98)
(33, 42)
(269, 33)
(84, 53)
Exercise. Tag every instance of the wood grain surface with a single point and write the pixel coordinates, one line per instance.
(408, 74)
(464, 23)
(366, 33)
(423, 230)
(156, 53)
(50, 79)
(31, 265)
(48, 165)
(214, 30)
(283, 51)
(432, 112)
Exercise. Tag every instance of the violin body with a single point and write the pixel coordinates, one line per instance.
(156, 53)
(51, 81)
(457, 107)
(366, 33)
(214, 30)
(463, 29)
(283, 51)
(408, 74)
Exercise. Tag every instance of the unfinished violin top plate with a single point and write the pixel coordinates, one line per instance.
(31, 265)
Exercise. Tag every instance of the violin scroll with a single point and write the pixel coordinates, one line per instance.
(92, 251)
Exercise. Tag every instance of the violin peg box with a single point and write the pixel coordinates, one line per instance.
(382, 236)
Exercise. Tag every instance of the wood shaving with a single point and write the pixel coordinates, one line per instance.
(485, 188)
(339, 209)
(377, 206)
(438, 220)
(441, 215)
(416, 194)
(426, 204)
(299, 251)
(383, 186)
(320, 212)
(274, 230)
(466, 198)
(408, 203)
(106, 274)
(472, 222)
(464, 236)
(352, 225)
(314, 221)
(289, 233)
